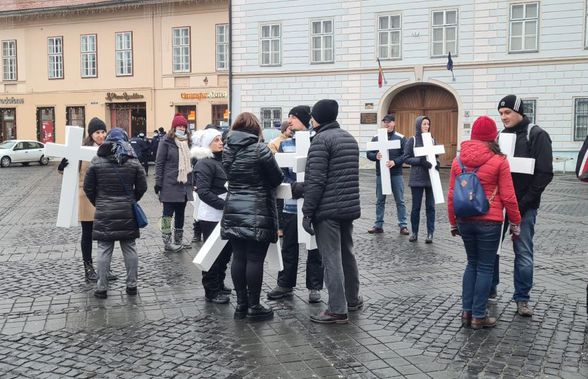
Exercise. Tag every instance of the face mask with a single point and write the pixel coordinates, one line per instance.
(180, 133)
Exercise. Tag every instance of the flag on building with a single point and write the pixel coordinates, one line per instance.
(380, 74)
(582, 163)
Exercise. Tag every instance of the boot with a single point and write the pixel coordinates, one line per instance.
(197, 232)
(242, 302)
(90, 273)
(179, 239)
(256, 311)
(168, 245)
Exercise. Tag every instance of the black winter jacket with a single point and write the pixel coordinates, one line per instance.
(530, 187)
(331, 179)
(166, 174)
(419, 173)
(209, 177)
(114, 219)
(250, 208)
(396, 155)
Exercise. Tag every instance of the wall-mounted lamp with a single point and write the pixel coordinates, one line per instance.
(205, 80)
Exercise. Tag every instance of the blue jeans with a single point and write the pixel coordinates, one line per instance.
(523, 264)
(415, 213)
(398, 192)
(481, 241)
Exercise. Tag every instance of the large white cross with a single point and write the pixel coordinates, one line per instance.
(383, 145)
(297, 162)
(507, 142)
(429, 150)
(74, 152)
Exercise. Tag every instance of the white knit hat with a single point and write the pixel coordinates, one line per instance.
(208, 136)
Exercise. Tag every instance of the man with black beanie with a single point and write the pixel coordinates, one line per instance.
(331, 203)
(531, 142)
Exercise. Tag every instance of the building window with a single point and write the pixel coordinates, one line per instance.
(55, 51)
(220, 115)
(222, 47)
(269, 116)
(271, 36)
(7, 124)
(524, 27)
(46, 124)
(124, 54)
(322, 37)
(181, 49)
(9, 59)
(581, 119)
(389, 33)
(75, 116)
(444, 31)
(530, 106)
(88, 59)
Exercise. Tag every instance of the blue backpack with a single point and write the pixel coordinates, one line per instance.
(469, 198)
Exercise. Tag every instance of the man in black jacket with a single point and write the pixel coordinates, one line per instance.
(531, 142)
(331, 203)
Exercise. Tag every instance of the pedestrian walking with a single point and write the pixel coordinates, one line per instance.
(141, 147)
(114, 180)
(250, 218)
(331, 203)
(173, 182)
(481, 233)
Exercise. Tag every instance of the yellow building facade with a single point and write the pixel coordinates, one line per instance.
(133, 65)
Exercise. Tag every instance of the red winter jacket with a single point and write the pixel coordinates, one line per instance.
(494, 172)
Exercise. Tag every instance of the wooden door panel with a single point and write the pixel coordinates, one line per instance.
(444, 130)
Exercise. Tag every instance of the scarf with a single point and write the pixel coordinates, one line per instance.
(183, 159)
(121, 148)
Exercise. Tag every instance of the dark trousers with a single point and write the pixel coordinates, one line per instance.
(87, 241)
(247, 266)
(415, 214)
(169, 209)
(280, 206)
(290, 254)
(145, 163)
(213, 279)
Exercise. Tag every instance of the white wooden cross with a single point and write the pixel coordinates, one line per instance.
(74, 152)
(297, 162)
(430, 151)
(507, 142)
(383, 145)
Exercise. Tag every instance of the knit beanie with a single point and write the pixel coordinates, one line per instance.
(325, 111)
(301, 112)
(484, 129)
(95, 124)
(179, 120)
(512, 102)
(208, 136)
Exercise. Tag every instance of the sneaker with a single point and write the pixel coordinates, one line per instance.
(357, 306)
(259, 313)
(326, 317)
(314, 296)
(523, 309)
(493, 299)
(280, 292)
(375, 230)
(486, 322)
(404, 231)
(131, 291)
(100, 294)
(218, 299)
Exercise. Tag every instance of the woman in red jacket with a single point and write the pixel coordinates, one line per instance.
(481, 234)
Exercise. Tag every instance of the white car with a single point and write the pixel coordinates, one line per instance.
(22, 151)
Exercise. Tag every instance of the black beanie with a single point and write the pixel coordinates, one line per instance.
(95, 124)
(325, 111)
(512, 102)
(301, 112)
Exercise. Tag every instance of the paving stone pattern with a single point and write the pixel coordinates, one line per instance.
(52, 327)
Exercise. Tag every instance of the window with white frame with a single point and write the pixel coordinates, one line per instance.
(444, 32)
(524, 27)
(269, 116)
(581, 119)
(88, 56)
(124, 54)
(222, 47)
(271, 36)
(322, 41)
(530, 107)
(181, 49)
(9, 59)
(389, 34)
(55, 57)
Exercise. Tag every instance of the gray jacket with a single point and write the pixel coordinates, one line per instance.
(166, 174)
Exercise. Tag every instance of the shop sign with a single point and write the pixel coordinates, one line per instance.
(203, 95)
(124, 96)
(11, 100)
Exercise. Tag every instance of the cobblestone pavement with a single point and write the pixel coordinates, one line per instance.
(52, 326)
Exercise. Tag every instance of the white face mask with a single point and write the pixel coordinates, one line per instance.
(180, 133)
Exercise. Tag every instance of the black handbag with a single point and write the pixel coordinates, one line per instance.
(138, 212)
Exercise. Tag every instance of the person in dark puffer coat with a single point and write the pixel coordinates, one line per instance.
(115, 165)
(250, 218)
(331, 203)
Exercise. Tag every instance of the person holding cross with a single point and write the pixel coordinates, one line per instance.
(394, 164)
(531, 142)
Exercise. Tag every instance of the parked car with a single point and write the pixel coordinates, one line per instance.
(22, 151)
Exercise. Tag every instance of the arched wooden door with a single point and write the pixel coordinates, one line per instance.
(435, 102)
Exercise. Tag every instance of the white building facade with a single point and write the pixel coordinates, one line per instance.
(291, 52)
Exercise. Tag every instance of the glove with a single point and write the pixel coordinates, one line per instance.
(62, 165)
(297, 190)
(455, 232)
(515, 231)
(427, 164)
(437, 166)
(157, 189)
(307, 225)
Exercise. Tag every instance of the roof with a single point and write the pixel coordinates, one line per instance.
(16, 5)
